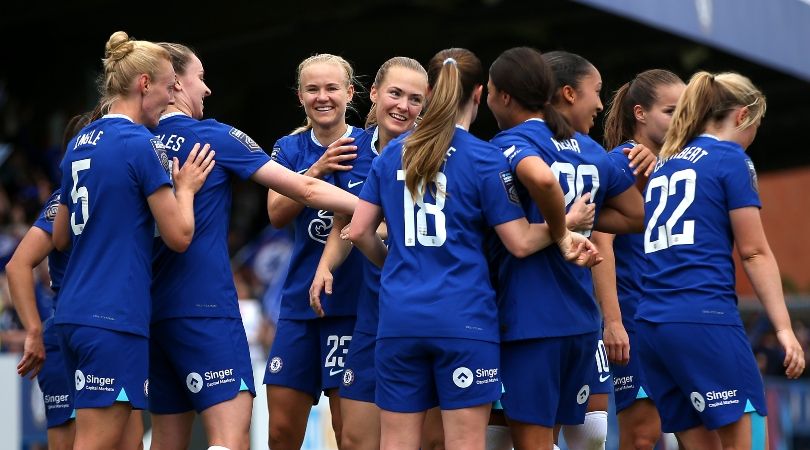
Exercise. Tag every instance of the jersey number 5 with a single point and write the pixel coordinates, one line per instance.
(420, 232)
(79, 195)
(668, 186)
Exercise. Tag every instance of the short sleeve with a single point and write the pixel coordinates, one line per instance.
(149, 165)
(48, 213)
(498, 193)
(739, 179)
(618, 179)
(622, 162)
(514, 149)
(237, 152)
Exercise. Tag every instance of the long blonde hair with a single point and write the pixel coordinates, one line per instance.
(124, 60)
(711, 97)
(453, 74)
(328, 59)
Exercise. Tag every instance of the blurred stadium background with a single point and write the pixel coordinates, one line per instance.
(51, 53)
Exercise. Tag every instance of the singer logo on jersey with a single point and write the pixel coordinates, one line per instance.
(244, 139)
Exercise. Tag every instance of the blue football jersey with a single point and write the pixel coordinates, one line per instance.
(109, 170)
(199, 281)
(298, 152)
(688, 238)
(435, 281)
(352, 181)
(542, 295)
(628, 250)
(57, 261)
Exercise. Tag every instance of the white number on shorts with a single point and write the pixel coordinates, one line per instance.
(420, 235)
(79, 194)
(669, 187)
(335, 358)
(602, 363)
(575, 182)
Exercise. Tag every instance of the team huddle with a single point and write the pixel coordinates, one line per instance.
(444, 291)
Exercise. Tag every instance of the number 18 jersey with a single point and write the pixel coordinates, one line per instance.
(435, 281)
(688, 238)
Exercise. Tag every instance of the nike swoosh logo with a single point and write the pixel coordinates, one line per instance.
(333, 372)
(303, 170)
(356, 183)
(603, 378)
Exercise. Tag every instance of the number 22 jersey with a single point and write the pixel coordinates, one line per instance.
(688, 238)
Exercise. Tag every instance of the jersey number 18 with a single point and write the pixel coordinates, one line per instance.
(418, 231)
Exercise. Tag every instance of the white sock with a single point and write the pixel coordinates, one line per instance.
(555, 447)
(590, 435)
(498, 438)
(218, 447)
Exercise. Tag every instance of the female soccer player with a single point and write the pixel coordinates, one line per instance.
(115, 179)
(639, 113)
(397, 95)
(42, 356)
(555, 325)
(308, 353)
(702, 200)
(440, 190)
(199, 356)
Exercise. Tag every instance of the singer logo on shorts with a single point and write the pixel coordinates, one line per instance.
(92, 382)
(464, 378)
(623, 383)
(57, 401)
(714, 399)
(212, 378)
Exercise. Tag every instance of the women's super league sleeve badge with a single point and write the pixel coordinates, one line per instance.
(245, 140)
(509, 185)
(752, 172)
(52, 207)
(160, 151)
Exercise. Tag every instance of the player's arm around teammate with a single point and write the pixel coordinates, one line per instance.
(114, 162)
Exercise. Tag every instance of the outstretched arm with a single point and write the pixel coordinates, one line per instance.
(306, 190)
(282, 209)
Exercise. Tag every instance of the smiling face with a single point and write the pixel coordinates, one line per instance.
(192, 89)
(399, 99)
(585, 103)
(324, 93)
